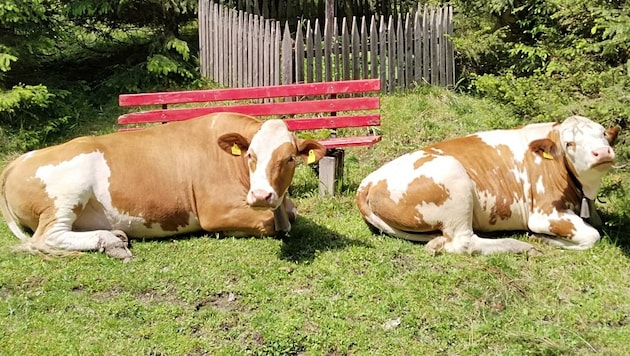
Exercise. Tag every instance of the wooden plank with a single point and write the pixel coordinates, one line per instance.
(276, 55)
(408, 28)
(240, 56)
(356, 49)
(309, 52)
(373, 49)
(328, 43)
(222, 44)
(450, 60)
(263, 109)
(287, 56)
(439, 29)
(382, 34)
(426, 50)
(266, 46)
(364, 49)
(250, 50)
(317, 39)
(341, 142)
(417, 34)
(203, 41)
(345, 49)
(197, 96)
(233, 49)
(434, 48)
(332, 122)
(391, 53)
(261, 51)
(337, 64)
(255, 51)
(299, 56)
(400, 54)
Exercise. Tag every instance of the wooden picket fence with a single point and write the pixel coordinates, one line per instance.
(244, 50)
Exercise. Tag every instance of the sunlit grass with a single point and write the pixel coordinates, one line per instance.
(331, 287)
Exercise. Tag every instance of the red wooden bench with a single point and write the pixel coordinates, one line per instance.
(310, 106)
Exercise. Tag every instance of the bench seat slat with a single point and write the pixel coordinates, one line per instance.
(277, 91)
(341, 142)
(265, 109)
(333, 122)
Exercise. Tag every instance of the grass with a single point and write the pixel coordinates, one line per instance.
(331, 287)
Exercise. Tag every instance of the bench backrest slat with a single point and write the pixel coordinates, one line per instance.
(179, 97)
(264, 109)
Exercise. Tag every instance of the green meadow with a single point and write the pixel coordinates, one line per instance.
(332, 287)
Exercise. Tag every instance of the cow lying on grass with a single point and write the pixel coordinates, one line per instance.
(222, 172)
(533, 178)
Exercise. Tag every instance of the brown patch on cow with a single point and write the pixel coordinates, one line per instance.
(174, 221)
(491, 169)
(563, 228)
(560, 190)
(422, 161)
(282, 167)
(404, 215)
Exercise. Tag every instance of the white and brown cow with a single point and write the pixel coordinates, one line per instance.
(532, 178)
(223, 172)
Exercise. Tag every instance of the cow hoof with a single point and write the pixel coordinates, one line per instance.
(435, 246)
(532, 252)
(117, 246)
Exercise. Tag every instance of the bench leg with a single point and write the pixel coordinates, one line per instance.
(331, 173)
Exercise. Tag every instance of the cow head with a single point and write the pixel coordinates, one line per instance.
(271, 159)
(588, 149)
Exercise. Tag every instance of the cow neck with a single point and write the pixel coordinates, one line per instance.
(573, 176)
(584, 208)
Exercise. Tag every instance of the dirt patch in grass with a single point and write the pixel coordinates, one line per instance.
(224, 301)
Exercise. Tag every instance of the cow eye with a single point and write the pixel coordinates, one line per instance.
(290, 159)
(570, 144)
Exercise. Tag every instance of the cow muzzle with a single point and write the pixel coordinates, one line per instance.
(603, 157)
(262, 199)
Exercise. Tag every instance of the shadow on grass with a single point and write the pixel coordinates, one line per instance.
(308, 238)
(617, 229)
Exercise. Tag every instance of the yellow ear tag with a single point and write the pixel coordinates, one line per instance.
(236, 150)
(311, 157)
(547, 155)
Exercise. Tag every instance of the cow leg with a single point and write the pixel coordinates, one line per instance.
(567, 231)
(284, 215)
(456, 221)
(54, 235)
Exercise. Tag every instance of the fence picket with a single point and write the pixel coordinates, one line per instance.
(373, 49)
(317, 40)
(309, 52)
(345, 49)
(382, 47)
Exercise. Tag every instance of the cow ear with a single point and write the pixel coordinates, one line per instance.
(545, 148)
(311, 151)
(611, 134)
(233, 143)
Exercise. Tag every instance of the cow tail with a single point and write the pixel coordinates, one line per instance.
(4, 206)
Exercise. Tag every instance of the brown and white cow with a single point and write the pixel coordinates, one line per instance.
(531, 178)
(222, 172)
